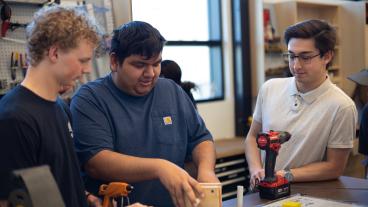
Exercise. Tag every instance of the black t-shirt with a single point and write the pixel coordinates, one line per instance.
(33, 132)
(363, 132)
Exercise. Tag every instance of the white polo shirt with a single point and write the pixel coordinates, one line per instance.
(322, 118)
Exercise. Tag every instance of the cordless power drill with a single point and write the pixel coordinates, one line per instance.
(272, 186)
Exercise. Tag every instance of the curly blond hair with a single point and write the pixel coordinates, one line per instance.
(64, 27)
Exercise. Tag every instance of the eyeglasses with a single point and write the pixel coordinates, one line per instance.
(303, 58)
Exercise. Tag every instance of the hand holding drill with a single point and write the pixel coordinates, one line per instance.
(272, 186)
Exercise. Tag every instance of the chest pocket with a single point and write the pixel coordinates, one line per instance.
(165, 128)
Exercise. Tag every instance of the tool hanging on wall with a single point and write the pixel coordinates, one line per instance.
(3, 84)
(23, 64)
(13, 69)
(5, 14)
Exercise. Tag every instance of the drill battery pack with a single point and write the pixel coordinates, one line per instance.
(274, 190)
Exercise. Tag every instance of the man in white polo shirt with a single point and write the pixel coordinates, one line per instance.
(320, 117)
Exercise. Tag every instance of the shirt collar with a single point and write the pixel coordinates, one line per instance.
(312, 95)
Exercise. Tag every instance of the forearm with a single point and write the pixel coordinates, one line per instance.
(112, 166)
(316, 172)
(252, 154)
(204, 156)
(330, 169)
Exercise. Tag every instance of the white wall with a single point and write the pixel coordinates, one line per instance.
(122, 11)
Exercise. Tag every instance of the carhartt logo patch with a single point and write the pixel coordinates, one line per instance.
(167, 120)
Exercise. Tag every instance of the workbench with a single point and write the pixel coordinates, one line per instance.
(344, 189)
(231, 166)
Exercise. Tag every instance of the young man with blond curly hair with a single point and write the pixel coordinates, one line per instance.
(34, 121)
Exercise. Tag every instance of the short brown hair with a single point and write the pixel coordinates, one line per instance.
(324, 35)
(56, 25)
(136, 38)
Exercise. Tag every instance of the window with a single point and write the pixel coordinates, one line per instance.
(192, 29)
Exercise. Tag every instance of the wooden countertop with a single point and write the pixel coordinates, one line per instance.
(224, 148)
(345, 189)
(229, 147)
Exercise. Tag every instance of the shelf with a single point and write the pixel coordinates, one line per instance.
(273, 50)
(274, 40)
(333, 68)
(229, 147)
(346, 18)
(229, 172)
(277, 71)
(234, 162)
(335, 79)
(228, 182)
(318, 10)
(13, 40)
(27, 1)
(273, 47)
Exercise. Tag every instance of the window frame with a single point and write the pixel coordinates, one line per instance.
(215, 29)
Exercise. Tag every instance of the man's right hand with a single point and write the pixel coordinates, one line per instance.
(3, 203)
(256, 176)
(179, 184)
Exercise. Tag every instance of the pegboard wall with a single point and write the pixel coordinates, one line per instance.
(14, 41)
(21, 13)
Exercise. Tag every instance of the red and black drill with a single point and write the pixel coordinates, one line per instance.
(272, 186)
(5, 15)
